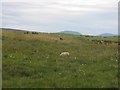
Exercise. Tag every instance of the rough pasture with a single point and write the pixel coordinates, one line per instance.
(34, 61)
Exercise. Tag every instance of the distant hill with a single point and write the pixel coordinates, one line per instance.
(107, 34)
(12, 29)
(20, 30)
(70, 32)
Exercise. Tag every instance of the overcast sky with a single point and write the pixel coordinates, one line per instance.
(85, 16)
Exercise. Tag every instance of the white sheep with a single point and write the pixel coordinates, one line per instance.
(65, 54)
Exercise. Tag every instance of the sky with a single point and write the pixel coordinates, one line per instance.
(91, 17)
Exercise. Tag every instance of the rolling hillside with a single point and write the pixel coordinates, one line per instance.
(34, 61)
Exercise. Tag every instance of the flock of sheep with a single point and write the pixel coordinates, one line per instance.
(67, 53)
(102, 42)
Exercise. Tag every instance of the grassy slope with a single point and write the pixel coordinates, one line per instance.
(34, 61)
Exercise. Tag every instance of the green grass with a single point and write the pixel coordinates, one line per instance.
(31, 60)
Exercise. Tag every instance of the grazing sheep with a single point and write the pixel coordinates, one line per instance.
(61, 38)
(102, 42)
(65, 54)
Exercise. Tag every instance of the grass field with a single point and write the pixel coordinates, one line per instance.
(33, 60)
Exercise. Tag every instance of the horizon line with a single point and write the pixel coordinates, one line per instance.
(57, 32)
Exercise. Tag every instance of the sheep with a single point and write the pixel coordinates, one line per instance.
(102, 42)
(61, 38)
(65, 54)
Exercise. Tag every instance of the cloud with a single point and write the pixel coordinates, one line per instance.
(55, 15)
